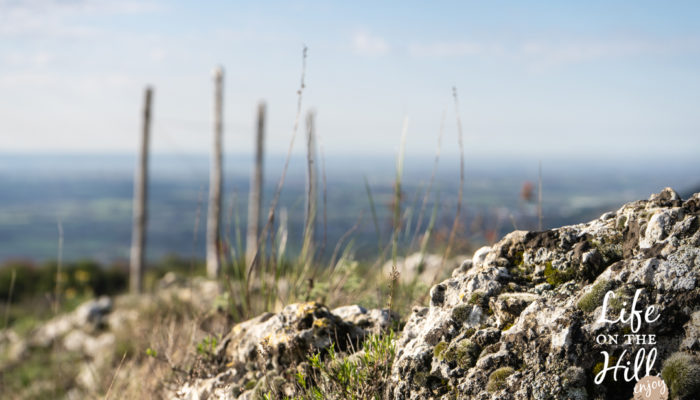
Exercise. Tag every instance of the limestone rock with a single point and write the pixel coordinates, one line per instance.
(258, 351)
(531, 303)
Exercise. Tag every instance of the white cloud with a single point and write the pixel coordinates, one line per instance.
(365, 43)
(93, 83)
(454, 49)
(157, 55)
(557, 54)
(552, 54)
(26, 79)
(28, 59)
(57, 18)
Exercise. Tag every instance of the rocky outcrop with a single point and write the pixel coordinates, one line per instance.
(520, 320)
(260, 354)
(538, 315)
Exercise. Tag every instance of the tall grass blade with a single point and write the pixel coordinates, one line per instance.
(372, 208)
(397, 193)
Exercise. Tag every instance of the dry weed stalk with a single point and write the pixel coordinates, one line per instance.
(393, 281)
(460, 194)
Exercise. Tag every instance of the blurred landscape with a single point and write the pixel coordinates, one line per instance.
(91, 196)
(552, 114)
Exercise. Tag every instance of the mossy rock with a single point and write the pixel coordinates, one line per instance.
(419, 378)
(477, 299)
(556, 277)
(467, 352)
(497, 379)
(439, 350)
(461, 313)
(518, 258)
(599, 366)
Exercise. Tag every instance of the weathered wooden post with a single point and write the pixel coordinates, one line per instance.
(311, 190)
(215, 179)
(256, 189)
(539, 197)
(138, 235)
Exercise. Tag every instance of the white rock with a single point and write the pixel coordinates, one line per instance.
(480, 256)
(561, 339)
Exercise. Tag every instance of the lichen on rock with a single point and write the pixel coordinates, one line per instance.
(517, 321)
(534, 299)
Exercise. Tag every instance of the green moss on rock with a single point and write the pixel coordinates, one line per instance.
(497, 379)
(439, 350)
(556, 277)
(467, 353)
(419, 378)
(461, 313)
(477, 298)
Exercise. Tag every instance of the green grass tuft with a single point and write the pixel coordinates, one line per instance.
(591, 300)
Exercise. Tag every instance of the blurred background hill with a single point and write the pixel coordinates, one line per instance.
(92, 197)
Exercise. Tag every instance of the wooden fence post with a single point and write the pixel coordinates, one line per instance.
(215, 179)
(138, 235)
(256, 189)
(539, 197)
(307, 251)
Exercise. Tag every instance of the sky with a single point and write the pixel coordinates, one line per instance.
(542, 79)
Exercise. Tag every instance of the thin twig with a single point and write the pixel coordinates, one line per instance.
(375, 221)
(59, 261)
(9, 297)
(325, 199)
(109, 389)
(195, 231)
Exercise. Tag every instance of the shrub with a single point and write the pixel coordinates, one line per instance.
(681, 372)
(591, 300)
(362, 375)
(207, 347)
(82, 277)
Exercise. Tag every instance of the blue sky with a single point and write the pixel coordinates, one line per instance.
(536, 80)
